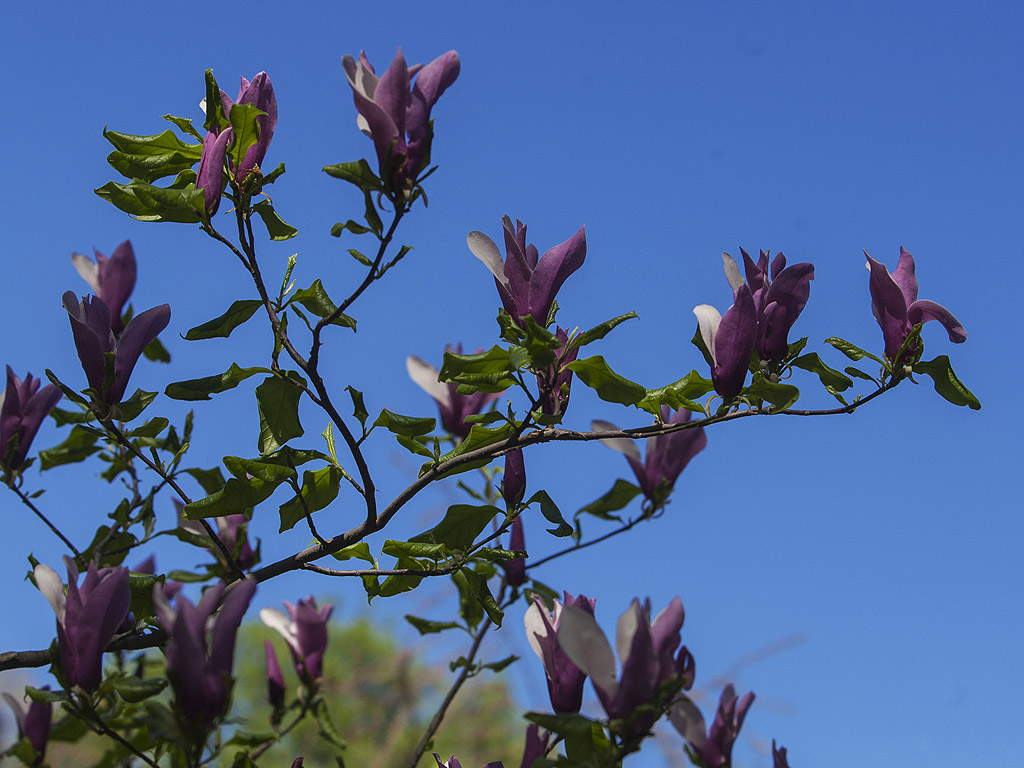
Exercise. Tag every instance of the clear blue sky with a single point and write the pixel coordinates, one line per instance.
(889, 542)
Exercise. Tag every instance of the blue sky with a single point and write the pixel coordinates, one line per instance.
(887, 542)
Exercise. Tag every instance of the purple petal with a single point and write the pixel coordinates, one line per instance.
(260, 93)
(142, 330)
(116, 279)
(733, 344)
(552, 270)
(210, 176)
(923, 310)
(222, 639)
(431, 82)
(392, 93)
(90, 325)
(889, 306)
(518, 271)
(904, 276)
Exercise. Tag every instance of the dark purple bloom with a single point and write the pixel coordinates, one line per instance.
(729, 340)
(305, 630)
(536, 745)
(23, 406)
(297, 762)
(275, 680)
(110, 279)
(515, 570)
(513, 484)
(897, 309)
(199, 662)
(454, 407)
(210, 176)
(648, 651)
(87, 618)
(715, 748)
(90, 324)
(565, 678)
(778, 300)
(527, 283)
(779, 759)
(667, 455)
(33, 724)
(396, 117)
(556, 381)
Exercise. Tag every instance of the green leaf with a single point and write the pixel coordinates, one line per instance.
(357, 172)
(157, 352)
(610, 386)
(488, 371)
(461, 524)
(79, 445)
(211, 480)
(221, 327)
(156, 144)
(150, 167)
(319, 488)
(240, 493)
(146, 202)
(946, 382)
(184, 125)
(854, 352)
(316, 300)
(151, 428)
(355, 228)
(829, 376)
(497, 666)
(62, 417)
(482, 594)
(859, 374)
(478, 437)
(136, 689)
(128, 410)
(618, 497)
(326, 727)
(416, 549)
(682, 394)
(599, 331)
(781, 396)
(277, 400)
(364, 260)
(201, 389)
(540, 344)
(410, 426)
(552, 514)
(425, 627)
(358, 408)
(246, 130)
(413, 445)
(360, 551)
(277, 228)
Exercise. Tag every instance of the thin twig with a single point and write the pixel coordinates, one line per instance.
(28, 503)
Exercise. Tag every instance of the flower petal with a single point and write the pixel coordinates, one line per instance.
(587, 647)
(923, 310)
(487, 251)
(425, 375)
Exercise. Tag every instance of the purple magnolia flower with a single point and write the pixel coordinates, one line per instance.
(90, 324)
(33, 724)
(715, 748)
(729, 340)
(778, 300)
(87, 618)
(200, 649)
(305, 631)
(454, 407)
(667, 455)
(565, 678)
(557, 399)
(275, 680)
(527, 283)
(23, 406)
(536, 745)
(897, 309)
(452, 762)
(515, 570)
(210, 176)
(110, 279)
(513, 484)
(297, 762)
(648, 653)
(396, 117)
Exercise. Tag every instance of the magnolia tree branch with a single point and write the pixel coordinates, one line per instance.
(549, 434)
